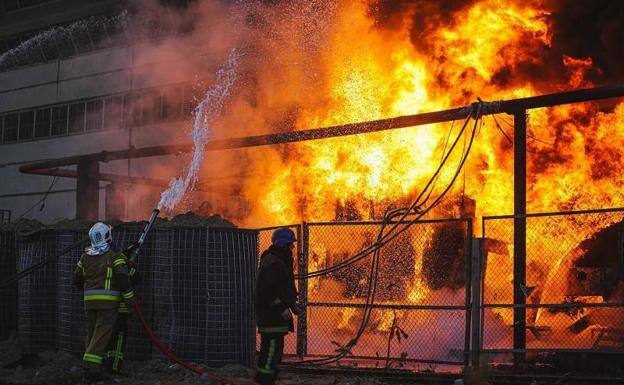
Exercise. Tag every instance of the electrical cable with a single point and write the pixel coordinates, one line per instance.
(501, 130)
(379, 244)
(42, 200)
(402, 212)
(29, 270)
(530, 134)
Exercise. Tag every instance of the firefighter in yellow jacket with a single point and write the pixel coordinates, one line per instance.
(103, 275)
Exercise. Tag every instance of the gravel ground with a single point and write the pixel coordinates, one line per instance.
(58, 367)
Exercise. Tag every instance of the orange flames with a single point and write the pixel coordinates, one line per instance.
(343, 67)
(364, 72)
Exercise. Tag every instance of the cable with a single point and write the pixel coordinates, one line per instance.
(42, 200)
(170, 354)
(402, 212)
(501, 130)
(381, 242)
(31, 269)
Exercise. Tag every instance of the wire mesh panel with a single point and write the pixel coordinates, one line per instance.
(71, 330)
(8, 295)
(420, 302)
(5, 216)
(264, 241)
(196, 288)
(37, 305)
(574, 282)
(210, 297)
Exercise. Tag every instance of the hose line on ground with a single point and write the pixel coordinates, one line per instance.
(170, 354)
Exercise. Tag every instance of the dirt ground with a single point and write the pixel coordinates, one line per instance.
(58, 367)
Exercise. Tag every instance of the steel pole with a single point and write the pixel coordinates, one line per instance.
(88, 191)
(519, 262)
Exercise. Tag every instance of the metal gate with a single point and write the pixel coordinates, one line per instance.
(413, 294)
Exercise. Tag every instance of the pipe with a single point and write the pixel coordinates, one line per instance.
(507, 106)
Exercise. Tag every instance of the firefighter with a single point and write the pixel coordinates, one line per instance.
(103, 275)
(117, 344)
(276, 300)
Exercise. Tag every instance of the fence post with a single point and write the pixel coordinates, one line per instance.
(477, 247)
(467, 288)
(519, 264)
(302, 263)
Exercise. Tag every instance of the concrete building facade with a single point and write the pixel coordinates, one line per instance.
(57, 102)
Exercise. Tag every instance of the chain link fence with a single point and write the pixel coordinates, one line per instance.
(421, 306)
(574, 292)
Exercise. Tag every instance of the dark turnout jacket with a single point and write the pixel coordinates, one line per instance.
(275, 290)
(104, 279)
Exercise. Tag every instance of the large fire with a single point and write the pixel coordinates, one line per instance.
(328, 63)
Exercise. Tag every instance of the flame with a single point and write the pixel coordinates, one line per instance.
(489, 49)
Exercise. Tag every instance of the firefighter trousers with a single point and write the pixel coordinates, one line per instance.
(117, 344)
(271, 352)
(99, 325)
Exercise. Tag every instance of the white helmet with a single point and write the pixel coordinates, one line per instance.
(100, 236)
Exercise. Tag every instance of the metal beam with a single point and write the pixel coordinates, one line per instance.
(507, 106)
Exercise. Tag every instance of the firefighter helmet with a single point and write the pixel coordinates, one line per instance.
(100, 237)
(283, 236)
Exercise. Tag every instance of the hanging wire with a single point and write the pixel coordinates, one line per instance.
(383, 239)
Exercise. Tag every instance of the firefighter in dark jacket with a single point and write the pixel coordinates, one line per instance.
(102, 274)
(276, 298)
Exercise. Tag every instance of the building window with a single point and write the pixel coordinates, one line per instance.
(76, 118)
(42, 123)
(132, 109)
(151, 107)
(26, 125)
(172, 103)
(137, 108)
(94, 115)
(113, 112)
(11, 122)
(59, 120)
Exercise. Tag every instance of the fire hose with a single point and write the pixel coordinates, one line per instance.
(170, 354)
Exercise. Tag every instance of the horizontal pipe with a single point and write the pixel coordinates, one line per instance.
(508, 106)
(106, 177)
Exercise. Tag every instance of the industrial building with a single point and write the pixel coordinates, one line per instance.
(77, 87)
